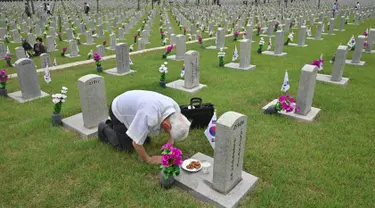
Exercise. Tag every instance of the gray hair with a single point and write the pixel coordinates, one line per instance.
(180, 126)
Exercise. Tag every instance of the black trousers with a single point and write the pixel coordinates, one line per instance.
(124, 142)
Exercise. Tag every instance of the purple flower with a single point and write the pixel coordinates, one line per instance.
(167, 146)
(366, 44)
(63, 49)
(3, 75)
(282, 98)
(236, 33)
(169, 48)
(97, 57)
(59, 35)
(316, 63)
(165, 160)
(200, 38)
(259, 27)
(7, 57)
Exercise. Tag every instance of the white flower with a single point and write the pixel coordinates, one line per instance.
(165, 63)
(63, 101)
(63, 91)
(58, 95)
(55, 101)
(53, 96)
(65, 88)
(64, 96)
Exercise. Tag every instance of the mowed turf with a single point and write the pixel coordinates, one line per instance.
(328, 163)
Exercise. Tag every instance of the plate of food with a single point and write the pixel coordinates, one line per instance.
(191, 165)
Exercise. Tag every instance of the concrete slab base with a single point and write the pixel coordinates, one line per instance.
(173, 57)
(114, 72)
(343, 30)
(296, 45)
(199, 185)
(361, 63)
(214, 48)
(372, 51)
(311, 38)
(237, 66)
(109, 48)
(272, 53)
(306, 118)
(267, 36)
(69, 56)
(328, 34)
(75, 123)
(15, 42)
(179, 85)
(87, 44)
(327, 79)
(18, 96)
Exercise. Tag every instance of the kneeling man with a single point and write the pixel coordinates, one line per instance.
(137, 114)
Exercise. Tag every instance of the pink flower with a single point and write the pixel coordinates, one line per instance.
(165, 160)
(135, 35)
(167, 146)
(282, 98)
(3, 75)
(316, 63)
(7, 57)
(97, 57)
(175, 152)
(259, 28)
(64, 49)
(104, 42)
(200, 38)
(284, 105)
(291, 100)
(236, 33)
(59, 35)
(169, 48)
(366, 44)
(297, 109)
(365, 33)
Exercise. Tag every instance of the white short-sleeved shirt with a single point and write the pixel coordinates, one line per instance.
(142, 112)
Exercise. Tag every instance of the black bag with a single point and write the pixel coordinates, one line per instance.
(201, 113)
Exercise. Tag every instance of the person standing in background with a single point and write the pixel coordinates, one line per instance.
(86, 8)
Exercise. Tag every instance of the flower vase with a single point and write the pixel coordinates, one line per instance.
(99, 69)
(135, 40)
(166, 183)
(9, 63)
(162, 83)
(258, 32)
(3, 92)
(60, 38)
(63, 54)
(235, 38)
(271, 110)
(56, 119)
(202, 46)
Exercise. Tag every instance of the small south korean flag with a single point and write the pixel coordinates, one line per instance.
(269, 44)
(286, 86)
(235, 54)
(47, 75)
(210, 132)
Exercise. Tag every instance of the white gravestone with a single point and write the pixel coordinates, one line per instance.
(93, 101)
(28, 80)
(279, 44)
(245, 55)
(122, 61)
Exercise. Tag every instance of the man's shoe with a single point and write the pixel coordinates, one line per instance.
(101, 134)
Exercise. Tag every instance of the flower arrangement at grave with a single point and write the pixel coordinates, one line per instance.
(162, 35)
(289, 39)
(244, 35)
(63, 51)
(236, 34)
(170, 164)
(89, 55)
(221, 56)
(261, 44)
(211, 33)
(8, 59)
(318, 63)
(347, 20)
(182, 71)
(78, 40)
(285, 103)
(276, 27)
(104, 42)
(58, 99)
(59, 36)
(165, 41)
(131, 48)
(365, 44)
(365, 33)
(169, 50)
(163, 70)
(3, 83)
(139, 32)
(98, 62)
(200, 40)
(184, 31)
(135, 37)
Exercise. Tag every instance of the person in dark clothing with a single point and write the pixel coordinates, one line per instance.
(27, 47)
(45, 7)
(86, 8)
(27, 10)
(38, 47)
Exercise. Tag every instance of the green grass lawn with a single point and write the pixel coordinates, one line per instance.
(328, 163)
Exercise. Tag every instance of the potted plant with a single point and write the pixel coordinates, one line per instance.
(3, 83)
(97, 59)
(169, 50)
(135, 37)
(200, 39)
(276, 27)
(285, 103)
(104, 42)
(163, 70)
(290, 38)
(8, 59)
(170, 165)
(60, 36)
(236, 34)
(58, 100)
(63, 51)
(261, 44)
(221, 55)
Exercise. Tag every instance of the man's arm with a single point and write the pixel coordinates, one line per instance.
(144, 156)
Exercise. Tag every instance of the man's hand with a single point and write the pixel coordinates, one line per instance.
(154, 160)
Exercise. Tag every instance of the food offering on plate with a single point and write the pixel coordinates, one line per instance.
(194, 165)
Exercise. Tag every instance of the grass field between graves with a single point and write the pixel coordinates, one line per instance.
(328, 163)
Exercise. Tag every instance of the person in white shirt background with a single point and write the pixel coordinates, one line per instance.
(49, 9)
(137, 114)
